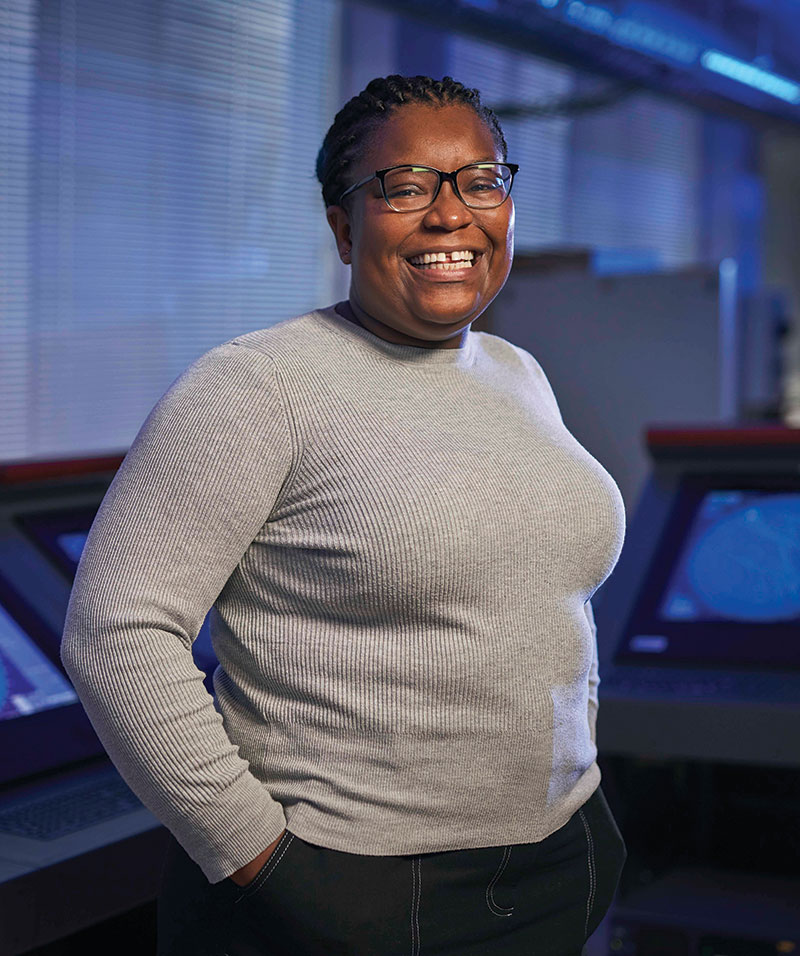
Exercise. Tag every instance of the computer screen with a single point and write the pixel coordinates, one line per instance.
(29, 682)
(42, 723)
(61, 535)
(724, 586)
(740, 560)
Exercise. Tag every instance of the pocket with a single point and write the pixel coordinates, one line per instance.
(493, 904)
(606, 855)
(275, 859)
(329, 902)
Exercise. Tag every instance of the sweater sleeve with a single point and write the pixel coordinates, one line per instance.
(198, 483)
(594, 675)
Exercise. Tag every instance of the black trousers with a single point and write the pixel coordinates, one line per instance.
(536, 899)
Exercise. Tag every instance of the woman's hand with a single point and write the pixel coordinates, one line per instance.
(246, 873)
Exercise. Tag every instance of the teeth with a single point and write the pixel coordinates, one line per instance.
(461, 258)
(446, 266)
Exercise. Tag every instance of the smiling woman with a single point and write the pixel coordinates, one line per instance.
(383, 228)
(398, 539)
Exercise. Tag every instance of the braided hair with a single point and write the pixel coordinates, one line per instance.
(367, 111)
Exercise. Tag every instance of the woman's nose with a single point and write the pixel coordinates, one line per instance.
(447, 210)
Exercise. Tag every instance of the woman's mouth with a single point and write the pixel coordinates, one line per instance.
(443, 262)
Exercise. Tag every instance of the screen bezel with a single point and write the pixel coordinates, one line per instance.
(43, 528)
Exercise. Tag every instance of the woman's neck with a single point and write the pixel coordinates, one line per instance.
(346, 311)
(353, 312)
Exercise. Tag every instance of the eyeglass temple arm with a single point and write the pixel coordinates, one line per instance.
(355, 186)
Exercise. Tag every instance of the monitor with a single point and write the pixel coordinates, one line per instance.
(42, 724)
(61, 534)
(723, 588)
(29, 682)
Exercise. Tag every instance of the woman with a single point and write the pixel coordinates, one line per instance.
(398, 539)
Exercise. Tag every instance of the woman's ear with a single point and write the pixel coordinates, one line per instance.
(339, 222)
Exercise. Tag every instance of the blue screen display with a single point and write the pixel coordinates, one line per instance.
(72, 544)
(740, 560)
(723, 586)
(29, 682)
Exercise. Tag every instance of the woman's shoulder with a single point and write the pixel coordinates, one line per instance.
(501, 350)
(242, 370)
(285, 338)
(518, 364)
(254, 356)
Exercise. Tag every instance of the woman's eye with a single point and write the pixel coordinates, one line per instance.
(409, 190)
(481, 185)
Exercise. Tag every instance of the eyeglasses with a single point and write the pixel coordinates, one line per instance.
(411, 188)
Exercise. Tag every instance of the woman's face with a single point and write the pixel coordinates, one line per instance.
(408, 305)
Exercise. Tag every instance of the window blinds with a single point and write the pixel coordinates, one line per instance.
(17, 90)
(160, 198)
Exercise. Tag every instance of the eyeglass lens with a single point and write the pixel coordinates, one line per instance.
(481, 186)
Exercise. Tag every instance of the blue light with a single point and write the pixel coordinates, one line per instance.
(642, 36)
(632, 33)
(609, 262)
(751, 75)
(649, 643)
(549, 3)
(590, 17)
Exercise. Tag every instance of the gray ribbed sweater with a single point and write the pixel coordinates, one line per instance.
(398, 545)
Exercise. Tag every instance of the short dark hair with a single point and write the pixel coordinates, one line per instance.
(364, 113)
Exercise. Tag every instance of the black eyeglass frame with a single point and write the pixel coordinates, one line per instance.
(380, 174)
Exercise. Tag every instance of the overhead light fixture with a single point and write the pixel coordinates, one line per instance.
(630, 32)
(751, 75)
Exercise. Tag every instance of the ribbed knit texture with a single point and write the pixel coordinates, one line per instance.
(398, 546)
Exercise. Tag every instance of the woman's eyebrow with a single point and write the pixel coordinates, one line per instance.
(470, 162)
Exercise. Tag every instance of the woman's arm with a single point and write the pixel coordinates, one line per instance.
(247, 873)
(198, 483)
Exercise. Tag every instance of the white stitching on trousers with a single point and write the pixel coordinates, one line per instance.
(416, 892)
(592, 874)
(269, 868)
(498, 910)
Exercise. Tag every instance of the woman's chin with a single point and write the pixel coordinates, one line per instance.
(447, 317)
